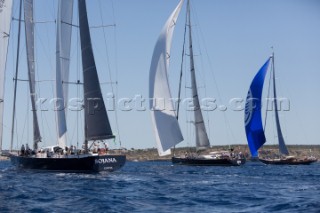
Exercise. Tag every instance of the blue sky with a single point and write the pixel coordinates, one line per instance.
(235, 39)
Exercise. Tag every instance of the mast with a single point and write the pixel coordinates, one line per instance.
(15, 78)
(282, 146)
(29, 29)
(5, 23)
(202, 140)
(97, 126)
(181, 72)
(63, 45)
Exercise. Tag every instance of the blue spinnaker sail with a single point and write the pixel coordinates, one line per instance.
(252, 117)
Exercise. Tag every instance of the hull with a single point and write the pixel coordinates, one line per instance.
(83, 164)
(208, 162)
(288, 161)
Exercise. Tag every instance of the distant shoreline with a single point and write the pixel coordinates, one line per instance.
(151, 154)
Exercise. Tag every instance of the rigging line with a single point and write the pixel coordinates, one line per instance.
(181, 71)
(50, 65)
(74, 83)
(115, 49)
(202, 75)
(268, 96)
(91, 27)
(44, 22)
(109, 82)
(214, 77)
(27, 80)
(41, 81)
(28, 119)
(116, 53)
(105, 43)
(37, 66)
(54, 11)
(35, 22)
(17, 19)
(70, 24)
(78, 66)
(108, 64)
(102, 26)
(181, 67)
(16, 76)
(297, 117)
(188, 116)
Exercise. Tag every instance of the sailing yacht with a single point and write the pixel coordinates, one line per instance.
(255, 131)
(96, 125)
(165, 121)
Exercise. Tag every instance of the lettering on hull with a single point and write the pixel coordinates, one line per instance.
(105, 160)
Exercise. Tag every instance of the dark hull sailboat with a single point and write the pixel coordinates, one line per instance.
(76, 163)
(165, 121)
(96, 126)
(289, 161)
(198, 161)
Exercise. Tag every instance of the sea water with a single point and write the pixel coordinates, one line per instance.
(162, 187)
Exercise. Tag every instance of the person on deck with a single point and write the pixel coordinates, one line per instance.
(23, 149)
(28, 150)
(106, 146)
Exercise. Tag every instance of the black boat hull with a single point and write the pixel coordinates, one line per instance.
(208, 162)
(287, 162)
(85, 164)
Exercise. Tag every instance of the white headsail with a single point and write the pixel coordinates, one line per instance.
(166, 126)
(5, 21)
(63, 45)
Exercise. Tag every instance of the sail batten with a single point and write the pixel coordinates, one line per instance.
(166, 126)
(253, 119)
(202, 140)
(29, 29)
(63, 46)
(97, 126)
(5, 23)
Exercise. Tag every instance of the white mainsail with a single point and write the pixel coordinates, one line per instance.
(5, 22)
(282, 146)
(63, 45)
(29, 29)
(166, 126)
(202, 140)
